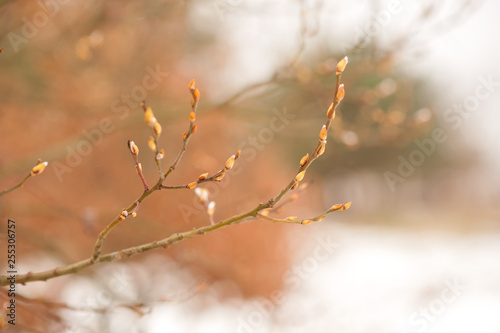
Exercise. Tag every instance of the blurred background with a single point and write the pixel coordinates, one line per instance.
(414, 146)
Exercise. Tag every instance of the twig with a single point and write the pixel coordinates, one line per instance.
(36, 170)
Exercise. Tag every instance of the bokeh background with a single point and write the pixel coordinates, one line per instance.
(414, 147)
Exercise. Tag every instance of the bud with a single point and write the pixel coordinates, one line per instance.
(291, 218)
(219, 177)
(152, 143)
(192, 116)
(149, 117)
(211, 208)
(331, 112)
(304, 160)
(300, 176)
(294, 186)
(138, 168)
(124, 213)
(157, 128)
(134, 214)
(195, 127)
(347, 205)
(192, 85)
(340, 93)
(38, 169)
(229, 163)
(336, 207)
(237, 155)
(265, 212)
(196, 94)
(323, 133)
(306, 222)
(160, 155)
(342, 65)
(192, 185)
(322, 148)
(133, 148)
(203, 176)
(184, 135)
(202, 194)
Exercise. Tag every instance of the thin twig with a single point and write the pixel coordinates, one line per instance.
(21, 183)
(36, 170)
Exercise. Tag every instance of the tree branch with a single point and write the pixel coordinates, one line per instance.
(254, 213)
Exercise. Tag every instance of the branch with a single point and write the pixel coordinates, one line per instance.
(254, 213)
(36, 170)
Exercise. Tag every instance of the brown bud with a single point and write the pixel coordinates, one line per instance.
(149, 117)
(196, 94)
(192, 116)
(323, 133)
(195, 127)
(336, 207)
(229, 163)
(157, 128)
(133, 148)
(237, 155)
(306, 222)
(192, 185)
(300, 176)
(294, 186)
(203, 176)
(331, 112)
(192, 84)
(152, 143)
(265, 212)
(38, 169)
(219, 177)
(184, 135)
(304, 160)
(138, 168)
(340, 93)
(322, 148)
(342, 65)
